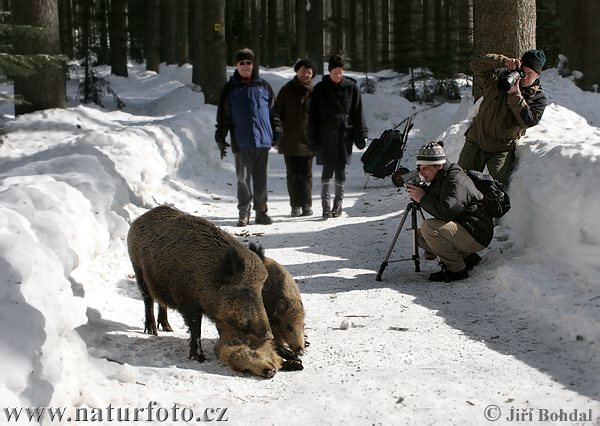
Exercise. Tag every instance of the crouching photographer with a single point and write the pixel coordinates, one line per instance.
(461, 225)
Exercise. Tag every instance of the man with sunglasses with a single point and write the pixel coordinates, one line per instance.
(245, 109)
(461, 225)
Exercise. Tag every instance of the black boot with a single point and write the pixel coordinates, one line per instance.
(326, 198)
(472, 260)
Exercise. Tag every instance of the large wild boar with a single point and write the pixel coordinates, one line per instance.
(283, 304)
(188, 264)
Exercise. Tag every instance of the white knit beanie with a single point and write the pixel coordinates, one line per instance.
(432, 153)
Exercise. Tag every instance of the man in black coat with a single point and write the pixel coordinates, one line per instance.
(461, 224)
(335, 123)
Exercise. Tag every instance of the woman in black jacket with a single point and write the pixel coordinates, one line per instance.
(335, 123)
(292, 105)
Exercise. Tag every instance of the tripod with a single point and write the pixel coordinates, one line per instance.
(413, 207)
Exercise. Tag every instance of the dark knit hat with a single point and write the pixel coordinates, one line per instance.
(432, 153)
(307, 63)
(244, 54)
(534, 59)
(335, 61)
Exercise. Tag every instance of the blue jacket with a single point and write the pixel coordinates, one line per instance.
(245, 109)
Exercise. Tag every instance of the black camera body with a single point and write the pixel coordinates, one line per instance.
(509, 78)
(403, 176)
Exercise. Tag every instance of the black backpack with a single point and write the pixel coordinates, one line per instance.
(494, 193)
(383, 153)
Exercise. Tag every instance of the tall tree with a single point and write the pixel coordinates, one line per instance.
(301, 29)
(208, 17)
(65, 22)
(168, 21)
(181, 35)
(503, 26)
(580, 31)
(45, 87)
(101, 24)
(152, 35)
(314, 39)
(118, 37)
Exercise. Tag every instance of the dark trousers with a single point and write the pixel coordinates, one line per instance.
(326, 180)
(251, 167)
(299, 180)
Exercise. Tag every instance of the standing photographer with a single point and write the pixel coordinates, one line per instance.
(461, 225)
(503, 115)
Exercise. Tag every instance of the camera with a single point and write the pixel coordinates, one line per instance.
(403, 176)
(508, 78)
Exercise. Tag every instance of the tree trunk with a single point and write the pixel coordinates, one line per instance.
(101, 22)
(503, 26)
(301, 29)
(182, 32)
(136, 23)
(168, 22)
(118, 37)
(65, 22)
(208, 17)
(314, 31)
(152, 35)
(579, 33)
(46, 87)
(465, 42)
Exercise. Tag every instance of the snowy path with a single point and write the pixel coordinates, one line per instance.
(413, 353)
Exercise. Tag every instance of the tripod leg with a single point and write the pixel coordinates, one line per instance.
(384, 264)
(415, 253)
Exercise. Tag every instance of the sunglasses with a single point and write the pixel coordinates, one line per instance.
(244, 63)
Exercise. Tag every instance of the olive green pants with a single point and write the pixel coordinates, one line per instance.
(449, 241)
(500, 164)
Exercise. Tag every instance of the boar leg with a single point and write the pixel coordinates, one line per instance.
(163, 320)
(194, 323)
(150, 325)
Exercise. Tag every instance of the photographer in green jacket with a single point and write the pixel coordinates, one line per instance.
(506, 111)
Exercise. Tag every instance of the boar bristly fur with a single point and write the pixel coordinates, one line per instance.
(283, 304)
(259, 359)
(188, 264)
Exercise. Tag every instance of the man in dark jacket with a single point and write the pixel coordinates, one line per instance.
(461, 225)
(291, 106)
(244, 108)
(503, 116)
(335, 123)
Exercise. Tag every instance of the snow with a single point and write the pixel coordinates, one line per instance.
(520, 333)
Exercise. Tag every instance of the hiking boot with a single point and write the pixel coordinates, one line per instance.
(327, 214)
(262, 218)
(243, 220)
(337, 209)
(296, 212)
(307, 211)
(449, 276)
(472, 260)
(429, 255)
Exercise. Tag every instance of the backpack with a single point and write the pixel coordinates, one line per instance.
(383, 153)
(495, 197)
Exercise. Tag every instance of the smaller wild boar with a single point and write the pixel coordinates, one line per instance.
(188, 264)
(283, 304)
(246, 357)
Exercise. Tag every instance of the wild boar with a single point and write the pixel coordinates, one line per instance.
(188, 264)
(259, 359)
(283, 304)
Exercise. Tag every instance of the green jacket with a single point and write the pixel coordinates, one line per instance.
(502, 118)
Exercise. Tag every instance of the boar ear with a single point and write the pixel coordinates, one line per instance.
(258, 249)
(280, 307)
(233, 262)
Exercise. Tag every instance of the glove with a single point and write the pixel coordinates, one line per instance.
(223, 148)
(361, 143)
